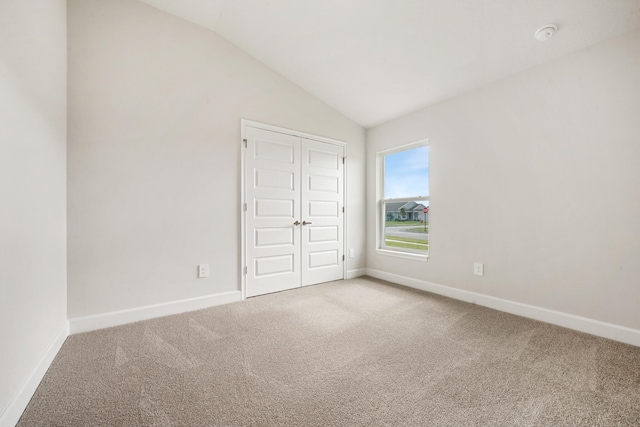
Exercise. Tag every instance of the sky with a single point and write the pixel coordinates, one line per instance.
(407, 173)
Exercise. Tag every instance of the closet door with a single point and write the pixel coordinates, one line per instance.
(294, 220)
(272, 191)
(322, 216)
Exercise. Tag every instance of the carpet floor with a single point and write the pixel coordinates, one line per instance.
(360, 352)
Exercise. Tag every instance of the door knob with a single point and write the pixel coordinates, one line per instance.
(296, 223)
(305, 223)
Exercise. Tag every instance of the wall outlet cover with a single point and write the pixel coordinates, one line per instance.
(203, 270)
(478, 269)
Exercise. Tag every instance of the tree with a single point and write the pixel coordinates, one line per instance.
(403, 213)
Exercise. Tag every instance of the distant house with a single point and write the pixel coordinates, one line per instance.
(405, 211)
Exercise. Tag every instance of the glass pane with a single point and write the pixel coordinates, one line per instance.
(406, 173)
(406, 225)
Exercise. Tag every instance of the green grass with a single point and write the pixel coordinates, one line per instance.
(406, 242)
(399, 223)
(419, 230)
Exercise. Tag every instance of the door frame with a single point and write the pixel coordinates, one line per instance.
(244, 123)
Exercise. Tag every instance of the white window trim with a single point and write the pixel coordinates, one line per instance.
(380, 214)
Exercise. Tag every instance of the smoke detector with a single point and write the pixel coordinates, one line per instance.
(546, 32)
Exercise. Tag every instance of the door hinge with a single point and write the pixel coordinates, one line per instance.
(343, 258)
(245, 143)
(245, 270)
(244, 207)
(344, 160)
(343, 209)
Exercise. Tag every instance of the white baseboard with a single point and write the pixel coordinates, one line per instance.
(351, 274)
(582, 324)
(116, 318)
(21, 399)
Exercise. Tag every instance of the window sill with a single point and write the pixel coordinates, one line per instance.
(405, 255)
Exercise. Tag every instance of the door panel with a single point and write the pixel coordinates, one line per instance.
(318, 234)
(324, 183)
(323, 259)
(319, 158)
(273, 179)
(322, 196)
(268, 266)
(317, 208)
(271, 236)
(274, 208)
(272, 174)
(268, 147)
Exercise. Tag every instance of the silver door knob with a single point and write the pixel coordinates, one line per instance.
(296, 223)
(305, 223)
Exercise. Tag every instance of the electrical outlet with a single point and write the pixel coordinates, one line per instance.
(478, 269)
(203, 270)
(352, 253)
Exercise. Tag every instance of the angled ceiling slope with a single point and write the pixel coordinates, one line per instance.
(375, 60)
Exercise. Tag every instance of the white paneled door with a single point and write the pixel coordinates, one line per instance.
(322, 219)
(294, 215)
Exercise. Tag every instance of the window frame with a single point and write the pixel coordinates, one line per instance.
(381, 247)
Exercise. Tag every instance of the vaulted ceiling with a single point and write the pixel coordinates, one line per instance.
(375, 60)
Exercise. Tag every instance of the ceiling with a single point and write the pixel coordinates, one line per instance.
(375, 60)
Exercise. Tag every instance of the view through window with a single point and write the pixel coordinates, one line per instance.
(405, 202)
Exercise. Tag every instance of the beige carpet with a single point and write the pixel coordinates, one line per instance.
(355, 353)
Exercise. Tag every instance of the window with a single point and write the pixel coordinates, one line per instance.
(403, 175)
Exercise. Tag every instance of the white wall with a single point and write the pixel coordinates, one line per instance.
(33, 305)
(155, 105)
(538, 177)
